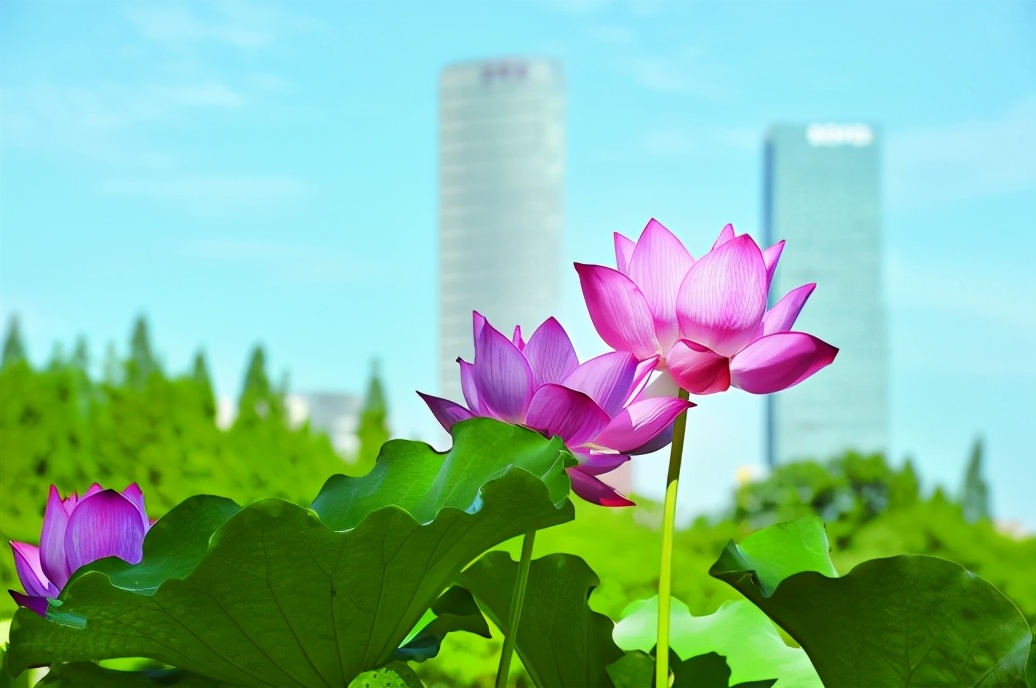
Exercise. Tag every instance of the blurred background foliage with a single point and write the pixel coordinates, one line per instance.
(137, 423)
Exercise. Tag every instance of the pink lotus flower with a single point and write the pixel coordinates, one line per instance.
(598, 408)
(77, 531)
(706, 320)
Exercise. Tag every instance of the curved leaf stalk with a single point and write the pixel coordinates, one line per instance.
(517, 599)
(665, 574)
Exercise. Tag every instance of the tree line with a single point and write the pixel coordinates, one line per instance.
(135, 422)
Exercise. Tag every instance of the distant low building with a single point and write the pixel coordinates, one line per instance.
(334, 413)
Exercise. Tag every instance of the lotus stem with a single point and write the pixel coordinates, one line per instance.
(665, 573)
(517, 599)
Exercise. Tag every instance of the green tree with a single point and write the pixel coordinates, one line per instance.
(141, 363)
(81, 355)
(905, 486)
(59, 426)
(113, 368)
(259, 400)
(201, 377)
(57, 357)
(974, 497)
(373, 429)
(14, 349)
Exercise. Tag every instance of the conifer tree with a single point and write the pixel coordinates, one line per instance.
(258, 400)
(905, 486)
(57, 357)
(81, 355)
(112, 372)
(974, 496)
(14, 349)
(141, 363)
(201, 377)
(373, 429)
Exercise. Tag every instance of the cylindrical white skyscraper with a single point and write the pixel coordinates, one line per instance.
(501, 200)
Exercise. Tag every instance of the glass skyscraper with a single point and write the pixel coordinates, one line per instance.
(501, 194)
(823, 196)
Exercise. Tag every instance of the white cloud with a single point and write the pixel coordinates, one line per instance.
(268, 82)
(176, 26)
(962, 318)
(208, 189)
(294, 263)
(576, 6)
(668, 143)
(687, 73)
(659, 74)
(205, 94)
(612, 34)
(678, 142)
(971, 159)
(70, 118)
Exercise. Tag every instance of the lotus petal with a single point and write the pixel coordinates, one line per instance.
(698, 369)
(639, 423)
(36, 604)
(660, 441)
(478, 321)
(52, 540)
(779, 361)
(642, 378)
(596, 464)
(516, 339)
(782, 316)
(659, 264)
(619, 310)
(623, 252)
(136, 497)
(562, 412)
(607, 379)
(723, 298)
(468, 387)
(770, 258)
(104, 524)
(445, 411)
(503, 379)
(594, 491)
(725, 235)
(550, 353)
(30, 572)
(662, 386)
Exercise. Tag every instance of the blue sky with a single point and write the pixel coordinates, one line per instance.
(247, 172)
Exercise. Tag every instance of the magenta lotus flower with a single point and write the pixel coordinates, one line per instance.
(77, 531)
(598, 408)
(705, 320)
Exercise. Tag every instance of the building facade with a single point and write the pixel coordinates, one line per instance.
(501, 200)
(823, 196)
(334, 413)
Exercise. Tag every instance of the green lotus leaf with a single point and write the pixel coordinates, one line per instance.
(395, 675)
(455, 610)
(286, 596)
(702, 671)
(901, 621)
(737, 631)
(633, 670)
(561, 641)
(89, 675)
(637, 670)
